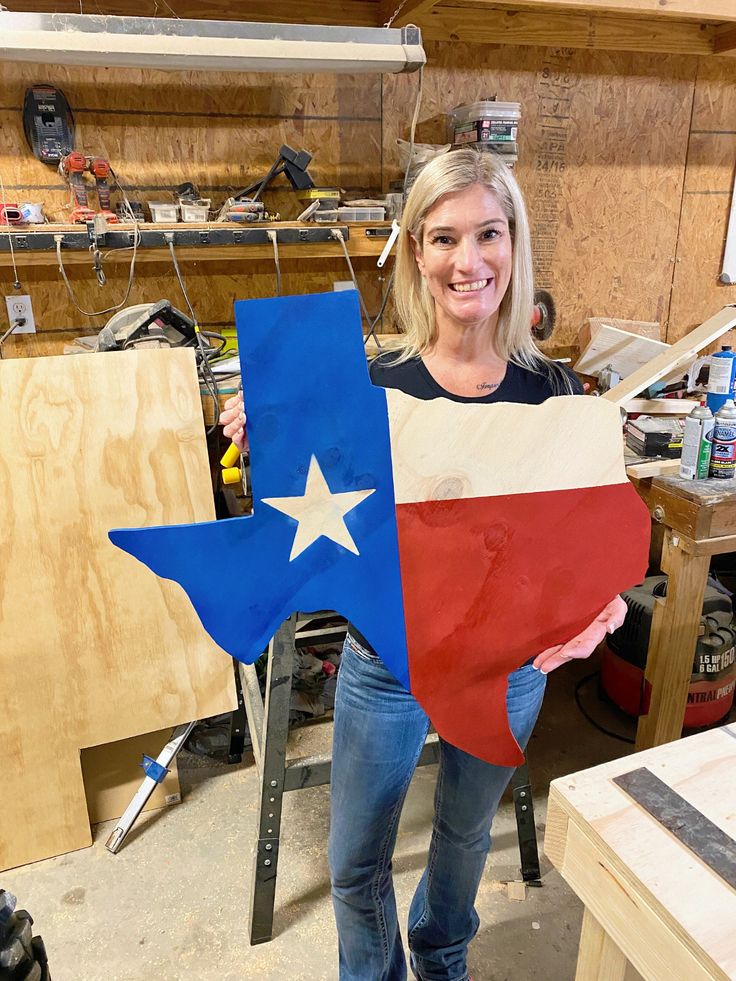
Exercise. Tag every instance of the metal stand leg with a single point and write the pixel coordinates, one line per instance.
(238, 721)
(527, 831)
(269, 730)
(270, 756)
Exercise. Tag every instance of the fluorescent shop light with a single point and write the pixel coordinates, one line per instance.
(158, 42)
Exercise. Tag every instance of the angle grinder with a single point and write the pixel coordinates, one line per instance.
(544, 315)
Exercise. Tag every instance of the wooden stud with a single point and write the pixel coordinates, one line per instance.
(725, 41)
(672, 643)
(358, 13)
(599, 959)
(678, 355)
(409, 12)
(696, 10)
(478, 24)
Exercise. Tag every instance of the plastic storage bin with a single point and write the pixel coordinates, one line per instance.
(163, 211)
(361, 214)
(491, 122)
(195, 211)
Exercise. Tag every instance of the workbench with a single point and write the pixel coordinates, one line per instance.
(654, 904)
(699, 520)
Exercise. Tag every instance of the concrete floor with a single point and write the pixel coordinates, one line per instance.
(173, 903)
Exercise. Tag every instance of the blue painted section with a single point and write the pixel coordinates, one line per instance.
(307, 392)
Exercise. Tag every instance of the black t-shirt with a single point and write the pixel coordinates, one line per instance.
(519, 385)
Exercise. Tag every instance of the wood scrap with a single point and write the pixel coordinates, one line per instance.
(674, 358)
(625, 352)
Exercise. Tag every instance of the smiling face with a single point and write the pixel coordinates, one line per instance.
(465, 256)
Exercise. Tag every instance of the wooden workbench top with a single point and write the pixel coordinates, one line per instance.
(702, 492)
(671, 914)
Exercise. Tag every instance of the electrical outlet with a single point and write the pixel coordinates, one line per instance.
(19, 308)
(346, 284)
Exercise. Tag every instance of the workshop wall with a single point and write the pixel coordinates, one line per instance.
(627, 162)
(158, 129)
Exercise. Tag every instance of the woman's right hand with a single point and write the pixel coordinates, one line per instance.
(232, 420)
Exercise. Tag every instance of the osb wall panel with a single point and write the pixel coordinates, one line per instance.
(711, 165)
(222, 131)
(602, 148)
(212, 288)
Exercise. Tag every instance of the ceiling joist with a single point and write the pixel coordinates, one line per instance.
(697, 11)
(725, 40)
(408, 12)
(523, 27)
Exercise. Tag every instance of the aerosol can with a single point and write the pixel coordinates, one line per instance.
(722, 379)
(723, 455)
(696, 443)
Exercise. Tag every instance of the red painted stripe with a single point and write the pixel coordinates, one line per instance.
(490, 582)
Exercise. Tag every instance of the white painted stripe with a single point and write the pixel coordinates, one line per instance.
(445, 450)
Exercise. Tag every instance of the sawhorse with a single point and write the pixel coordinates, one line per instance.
(268, 721)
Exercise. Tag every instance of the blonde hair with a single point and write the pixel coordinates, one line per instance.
(414, 303)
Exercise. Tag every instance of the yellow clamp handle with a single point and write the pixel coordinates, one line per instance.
(231, 457)
(231, 473)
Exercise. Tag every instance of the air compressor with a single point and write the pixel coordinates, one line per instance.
(711, 691)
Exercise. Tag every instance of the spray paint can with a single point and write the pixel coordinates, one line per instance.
(696, 443)
(722, 378)
(723, 455)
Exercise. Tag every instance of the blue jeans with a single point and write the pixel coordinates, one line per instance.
(378, 735)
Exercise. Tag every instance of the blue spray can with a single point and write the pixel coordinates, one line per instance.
(722, 378)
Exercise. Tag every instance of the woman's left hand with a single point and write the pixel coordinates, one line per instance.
(585, 643)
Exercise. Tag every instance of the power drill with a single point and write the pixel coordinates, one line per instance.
(73, 167)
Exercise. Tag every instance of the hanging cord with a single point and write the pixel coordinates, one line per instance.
(208, 375)
(271, 232)
(413, 129)
(16, 281)
(5, 336)
(371, 321)
(395, 14)
(96, 313)
(596, 725)
(98, 262)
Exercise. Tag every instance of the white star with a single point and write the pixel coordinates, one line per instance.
(319, 512)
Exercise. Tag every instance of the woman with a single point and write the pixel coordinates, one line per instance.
(464, 302)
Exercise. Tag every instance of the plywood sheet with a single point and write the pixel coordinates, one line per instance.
(92, 651)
